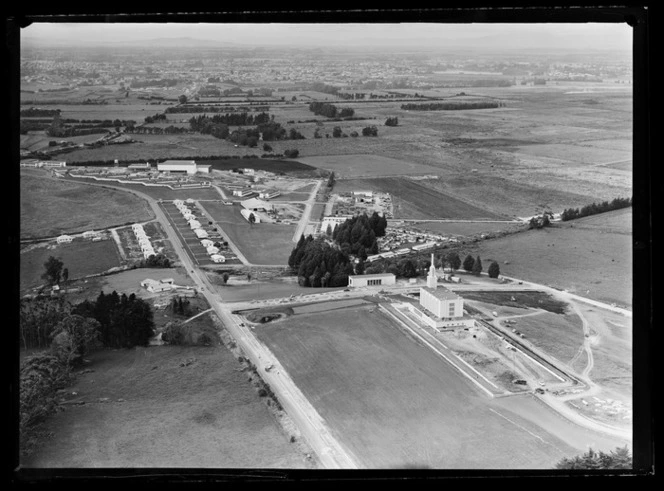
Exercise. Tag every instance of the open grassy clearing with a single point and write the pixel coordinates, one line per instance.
(592, 262)
(411, 199)
(393, 402)
(348, 166)
(262, 243)
(158, 413)
(80, 257)
(50, 207)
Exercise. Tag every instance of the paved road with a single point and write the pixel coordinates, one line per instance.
(330, 452)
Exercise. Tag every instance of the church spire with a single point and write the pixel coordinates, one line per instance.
(432, 278)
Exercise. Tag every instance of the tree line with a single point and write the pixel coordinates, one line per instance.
(196, 108)
(595, 208)
(451, 106)
(165, 82)
(330, 110)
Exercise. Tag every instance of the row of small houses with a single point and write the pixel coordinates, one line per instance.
(91, 234)
(143, 240)
(197, 228)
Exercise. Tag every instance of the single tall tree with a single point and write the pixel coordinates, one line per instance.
(53, 271)
(477, 266)
(469, 263)
(454, 261)
(494, 270)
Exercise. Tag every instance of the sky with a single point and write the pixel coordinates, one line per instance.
(591, 36)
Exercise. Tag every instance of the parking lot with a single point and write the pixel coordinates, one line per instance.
(192, 243)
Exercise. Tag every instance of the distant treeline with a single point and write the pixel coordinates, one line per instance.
(451, 106)
(166, 82)
(209, 109)
(233, 119)
(330, 110)
(35, 112)
(64, 132)
(595, 208)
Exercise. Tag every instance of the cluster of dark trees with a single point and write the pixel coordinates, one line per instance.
(330, 180)
(318, 264)
(358, 235)
(451, 106)
(619, 458)
(164, 82)
(156, 118)
(324, 88)
(291, 153)
(100, 122)
(124, 321)
(330, 110)
(595, 208)
(234, 119)
(206, 126)
(37, 319)
(180, 306)
(370, 131)
(472, 265)
(157, 130)
(35, 112)
(392, 121)
(155, 261)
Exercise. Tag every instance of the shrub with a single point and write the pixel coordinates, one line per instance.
(174, 333)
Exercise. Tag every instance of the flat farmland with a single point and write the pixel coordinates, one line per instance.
(161, 414)
(591, 256)
(367, 165)
(262, 243)
(394, 403)
(270, 165)
(412, 200)
(132, 111)
(80, 257)
(50, 207)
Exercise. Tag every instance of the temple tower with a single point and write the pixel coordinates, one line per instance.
(432, 278)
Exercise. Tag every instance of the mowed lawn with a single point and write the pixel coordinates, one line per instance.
(591, 256)
(415, 201)
(51, 207)
(80, 257)
(262, 243)
(394, 403)
(143, 409)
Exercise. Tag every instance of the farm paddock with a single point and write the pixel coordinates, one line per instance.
(166, 407)
(81, 257)
(590, 256)
(393, 401)
(50, 207)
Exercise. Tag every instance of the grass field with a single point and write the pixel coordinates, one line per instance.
(591, 256)
(262, 243)
(50, 207)
(276, 166)
(393, 402)
(367, 165)
(143, 409)
(410, 199)
(80, 257)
